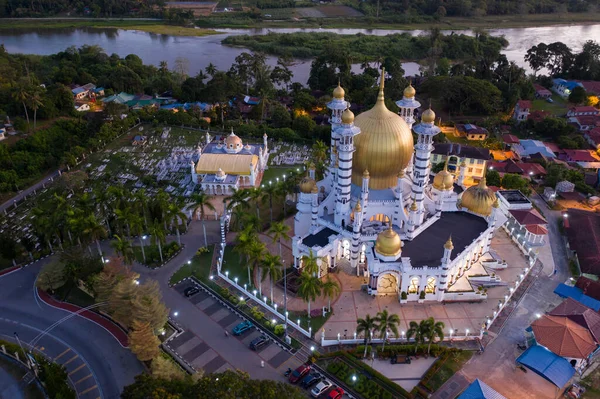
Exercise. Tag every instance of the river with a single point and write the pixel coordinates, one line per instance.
(200, 51)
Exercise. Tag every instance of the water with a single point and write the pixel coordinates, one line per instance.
(200, 51)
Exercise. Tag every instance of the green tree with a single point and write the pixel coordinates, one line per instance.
(175, 217)
(366, 326)
(124, 249)
(578, 95)
(512, 181)
(310, 263)
(310, 287)
(279, 231)
(387, 323)
(435, 330)
(147, 306)
(492, 178)
(271, 264)
(201, 202)
(142, 341)
(94, 231)
(420, 332)
(330, 289)
(158, 234)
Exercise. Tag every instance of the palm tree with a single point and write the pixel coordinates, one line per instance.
(174, 215)
(435, 330)
(310, 263)
(137, 226)
(141, 200)
(320, 152)
(280, 231)
(256, 250)
(35, 103)
(366, 326)
(331, 289)
(419, 331)
(310, 288)
(123, 216)
(237, 218)
(386, 323)
(158, 236)
(255, 194)
(94, 230)
(22, 95)
(210, 69)
(251, 222)
(272, 265)
(270, 191)
(238, 198)
(200, 202)
(124, 249)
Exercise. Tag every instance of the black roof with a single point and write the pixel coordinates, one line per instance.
(462, 151)
(514, 196)
(427, 249)
(319, 239)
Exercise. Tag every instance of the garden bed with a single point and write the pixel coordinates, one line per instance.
(199, 267)
(153, 261)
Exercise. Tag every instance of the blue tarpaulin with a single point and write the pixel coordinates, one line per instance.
(575, 293)
(480, 390)
(549, 365)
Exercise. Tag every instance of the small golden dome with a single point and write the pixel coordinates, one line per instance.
(388, 243)
(443, 180)
(366, 173)
(357, 207)
(314, 190)
(401, 174)
(448, 244)
(479, 199)
(410, 91)
(428, 116)
(220, 173)
(233, 141)
(347, 117)
(311, 166)
(307, 184)
(413, 206)
(339, 92)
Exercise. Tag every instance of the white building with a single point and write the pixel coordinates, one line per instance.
(376, 214)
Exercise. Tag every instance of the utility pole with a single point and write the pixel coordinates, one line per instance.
(285, 298)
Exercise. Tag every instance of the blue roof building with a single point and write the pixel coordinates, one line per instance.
(480, 390)
(548, 365)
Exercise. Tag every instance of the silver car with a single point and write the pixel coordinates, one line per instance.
(321, 388)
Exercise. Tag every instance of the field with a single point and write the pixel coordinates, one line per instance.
(558, 107)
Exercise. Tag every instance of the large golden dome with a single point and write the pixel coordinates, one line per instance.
(307, 184)
(444, 180)
(479, 199)
(388, 243)
(384, 146)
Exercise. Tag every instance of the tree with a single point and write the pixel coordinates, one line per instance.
(310, 287)
(419, 331)
(512, 181)
(435, 330)
(52, 276)
(578, 95)
(280, 231)
(304, 125)
(269, 192)
(157, 231)
(272, 266)
(124, 249)
(142, 341)
(165, 368)
(201, 202)
(310, 263)
(492, 178)
(387, 323)
(22, 94)
(175, 215)
(366, 326)
(537, 57)
(147, 306)
(113, 273)
(94, 231)
(330, 289)
(256, 251)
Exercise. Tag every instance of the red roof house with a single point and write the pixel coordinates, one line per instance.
(583, 235)
(510, 139)
(580, 314)
(527, 217)
(589, 287)
(563, 336)
(579, 156)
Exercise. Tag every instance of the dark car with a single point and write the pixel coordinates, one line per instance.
(258, 343)
(299, 373)
(191, 291)
(242, 327)
(310, 380)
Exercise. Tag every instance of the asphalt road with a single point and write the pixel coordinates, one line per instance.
(97, 364)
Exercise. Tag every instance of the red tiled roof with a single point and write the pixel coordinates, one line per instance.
(522, 168)
(538, 115)
(536, 168)
(580, 314)
(536, 229)
(594, 135)
(510, 139)
(589, 287)
(591, 86)
(527, 217)
(524, 104)
(583, 234)
(563, 336)
(571, 196)
(581, 156)
(583, 108)
(588, 120)
(541, 89)
(552, 146)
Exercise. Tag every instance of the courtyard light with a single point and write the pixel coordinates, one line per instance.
(227, 273)
(189, 262)
(275, 305)
(353, 378)
(565, 215)
(467, 331)
(274, 321)
(265, 299)
(175, 313)
(298, 322)
(235, 279)
(254, 292)
(312, 348)
(244, 286)
(137, 282)
(144, 237)
(537, 315)
(210, 277)
(241, 298)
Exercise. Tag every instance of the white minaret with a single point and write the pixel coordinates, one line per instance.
(345, 145)
(446, 260)
(265, 141)
(337, 106)
(193, 170)
(207, 137)
(356, 225)
(425, 131)
(407, 105)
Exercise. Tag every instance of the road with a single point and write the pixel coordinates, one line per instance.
(97, 364)
(26, 192)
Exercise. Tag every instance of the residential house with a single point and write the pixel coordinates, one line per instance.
(89, 87)
(471, 132)
(251, 100)
(583, 111)
(510, 139)
(579, 156)
(564, 87)
(527, 228)
(99, 91)
(589, 287)
(583, 236)
(541, 91)
(547, 364)
(473, 160)
(578, 312)
(591, 87)
(525, 169)
(538, 115)
(526, 148)
(592, 136)
(522, 110)
(81, 106)
(479, 390)
(585, 122)
(79, 93)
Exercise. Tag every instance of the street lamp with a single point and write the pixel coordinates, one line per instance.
(175, 313)
(235, 279)
(210, 277)
(189, 262)
(312, 348)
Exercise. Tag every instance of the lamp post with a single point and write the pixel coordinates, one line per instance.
(285, 299)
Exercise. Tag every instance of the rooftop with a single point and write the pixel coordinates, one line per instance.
(427, 249)
(563, 336)
(514, 196)
(462, 151)
(584, 238)
(510, 139)
(527, 217)
(589, 287)
(319, 239)
(580, 314)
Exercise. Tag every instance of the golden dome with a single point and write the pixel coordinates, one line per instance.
(339, 92)
(366, 173)
(384, 146)
(479, 199)
(307, 184)
(233, 141)
(428, 116)
(443, 180)
(410, 91)
(220, 173)
(357, 207)
(314, 190)
(448, 244)
(413, 206)
(388, 243)
(347, 116)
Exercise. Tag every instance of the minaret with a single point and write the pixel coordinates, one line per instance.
(315, 207)
(462, 173)
(364, 194)
(207, 137)
(337, 106)
(265, 141)
(446, 260)
(358, 216)
(194, 175)
(346, 132)
(425, 131)
(407, 105)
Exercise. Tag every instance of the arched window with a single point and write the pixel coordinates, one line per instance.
(430, 287)
(413, 287)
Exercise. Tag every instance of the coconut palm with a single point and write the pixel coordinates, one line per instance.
(366, 326)
(331, 289)
(251, 222)
(237, 218)
(137, 227)
(310, 263)
(386, 323)
(123, 216)
(256, 251)
(22, 94)
(174, 215)
(419, 331)
(272, 266)
(124, 249)
(238, 198)
(270, 191)
(255, 195)
(141, 201)
(158, 234)
(94, 231)
(201, 202)
(279, 231)
(35, 103)
(435, 330)
(310, 288)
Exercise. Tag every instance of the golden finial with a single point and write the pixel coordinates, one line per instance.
(413, 206)
(366, 174)
(357, 207)
(380, 96)
(448, 244)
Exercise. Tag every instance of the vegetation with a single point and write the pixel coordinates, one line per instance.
(142, 341)
(55, 379)
(198, 267)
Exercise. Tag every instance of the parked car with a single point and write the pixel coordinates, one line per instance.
(321, 388)
(310, 380)
(258, 343)
(191, 291)
(336, 393)
(299, 373)
(242, 327)
(550, 100)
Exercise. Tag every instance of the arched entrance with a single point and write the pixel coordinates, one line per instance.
(387, 284)
(345, 249)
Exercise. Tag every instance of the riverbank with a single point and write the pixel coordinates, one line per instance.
(150, 26)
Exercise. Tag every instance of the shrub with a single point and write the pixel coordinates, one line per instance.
(422, 295)
(224, 292)
(403, 295)
(202, 250)
(279, 330)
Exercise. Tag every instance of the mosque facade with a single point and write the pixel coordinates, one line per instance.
(378, 214)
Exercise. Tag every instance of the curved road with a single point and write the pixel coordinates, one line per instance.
(98, 365)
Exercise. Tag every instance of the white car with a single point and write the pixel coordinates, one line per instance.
(321, 388)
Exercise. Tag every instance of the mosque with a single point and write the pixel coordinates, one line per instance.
(377, 214)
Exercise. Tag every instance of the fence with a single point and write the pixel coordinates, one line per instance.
(355, 340)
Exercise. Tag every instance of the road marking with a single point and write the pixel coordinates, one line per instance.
(77, 369)
(70, 360)
(83, 379)
(88, 390)
(66, 350)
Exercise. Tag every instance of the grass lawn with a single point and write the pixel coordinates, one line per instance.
(315, 322)
(592, 385)
(231, 263)
(31, 391)
(448, 369)
(558, 107)
(200, 268)
(275, 172)
(153, 254)
(76, 296)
